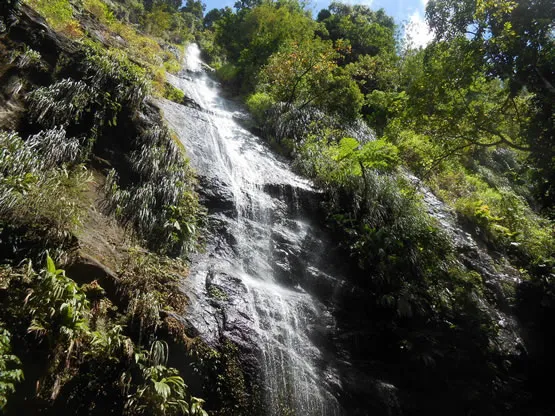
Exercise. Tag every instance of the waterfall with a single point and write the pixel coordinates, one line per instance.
(269, 280)
(247, 286)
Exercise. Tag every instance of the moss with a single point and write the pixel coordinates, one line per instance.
(173, 94)
(216, 293)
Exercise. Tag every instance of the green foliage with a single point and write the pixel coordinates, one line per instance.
(100, 10)
(10, 371)
(162, 205)
(160, 391)
(149, 284)
(513, 42)
(172, 93)
(158, 20)
(368, 32)
(90, 358)
(336, 164)
(263, 29)
(110, 345)
(258, 104)
(60, 103)
(30, 177)
(505, 217)
(306, 73)
(59, 14)
(59, 307)
(28, 58)
(227, 72)
(112, 74)
(110, 82)
(222, 377)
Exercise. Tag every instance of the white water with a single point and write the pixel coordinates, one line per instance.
(256, 309)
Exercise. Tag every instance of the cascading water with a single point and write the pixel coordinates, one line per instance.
(244, 287)
(268, 281)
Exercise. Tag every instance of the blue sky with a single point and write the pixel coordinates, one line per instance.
(410, 12)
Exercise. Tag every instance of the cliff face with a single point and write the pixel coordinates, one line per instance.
(278, 314)
(311, 333)
(81, 147)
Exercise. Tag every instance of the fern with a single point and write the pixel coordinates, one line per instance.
(10, 371)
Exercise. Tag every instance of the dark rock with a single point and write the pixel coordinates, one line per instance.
(189, 102)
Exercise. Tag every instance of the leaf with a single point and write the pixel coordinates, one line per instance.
(50, 266)
(162, 388)
(346, 148)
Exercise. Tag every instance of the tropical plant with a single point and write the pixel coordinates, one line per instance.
(59, 14)
(59, 308)
(162, 204)
(10, 371)
(29, 177)
(161, 390)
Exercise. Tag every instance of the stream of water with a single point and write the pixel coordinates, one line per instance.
(266, 260)
(244, 287)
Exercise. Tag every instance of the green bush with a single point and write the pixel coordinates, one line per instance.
(227, 72)
(173, 94)
(58, 14)
(36, 194)
(100, 10)
(258, 104)
(10, 371)
(162, 206)
(504, 216)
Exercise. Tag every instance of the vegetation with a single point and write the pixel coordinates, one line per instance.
(470, 114)
(11, 374)
(85, 354)
(84, 114)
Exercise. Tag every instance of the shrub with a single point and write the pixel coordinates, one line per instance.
(100, 10)
(258, 104)
(35, 194)
(159, 390)
(173, 94)
(27, 58)
(10, 371)
(60, 103)
(162, 206)
(59, 307)
(227, 72)
(59, 15)
(504, 216)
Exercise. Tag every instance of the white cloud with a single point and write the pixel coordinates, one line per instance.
(417, 31)
(362, 2)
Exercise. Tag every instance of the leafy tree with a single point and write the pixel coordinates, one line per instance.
(170, 5)
(158, 20)
(514, 42)
(251, 36)
(454, 102)
(368, 32)
(212, 17)
(247, 4)
(194, 7)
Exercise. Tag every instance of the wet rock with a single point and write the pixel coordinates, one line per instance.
(189, 102)
(215, 194)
